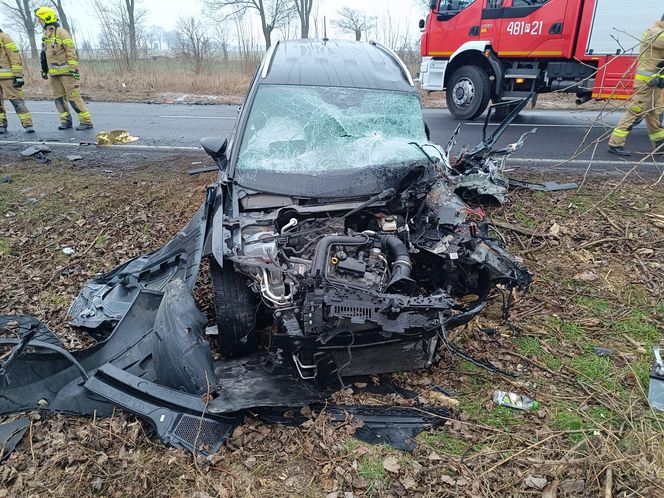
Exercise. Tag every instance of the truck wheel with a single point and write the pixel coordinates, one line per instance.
(468, 92)
(235, 306)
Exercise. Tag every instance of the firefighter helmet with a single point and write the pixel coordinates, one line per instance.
(47, 14)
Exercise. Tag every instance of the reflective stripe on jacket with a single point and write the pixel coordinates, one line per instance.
(11, 65)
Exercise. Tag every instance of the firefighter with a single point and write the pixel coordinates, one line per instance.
(646, 102)
(59, 61)
(11, 84)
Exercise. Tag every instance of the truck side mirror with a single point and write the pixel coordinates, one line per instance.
(422, 23)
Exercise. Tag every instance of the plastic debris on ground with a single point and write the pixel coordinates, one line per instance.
(514, 400)
(656, 388)
(35, 149)
(69, 251)
(11, 434)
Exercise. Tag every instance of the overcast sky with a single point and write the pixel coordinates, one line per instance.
(404, 14)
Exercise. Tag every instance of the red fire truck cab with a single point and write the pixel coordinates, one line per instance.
(481, 50)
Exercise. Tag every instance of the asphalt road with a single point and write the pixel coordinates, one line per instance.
(562, 136)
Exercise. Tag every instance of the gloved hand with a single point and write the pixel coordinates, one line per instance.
(18, 82)
(76, 75)
(44, 75)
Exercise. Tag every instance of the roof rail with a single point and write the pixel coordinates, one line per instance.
(267, 62)
(390, 53)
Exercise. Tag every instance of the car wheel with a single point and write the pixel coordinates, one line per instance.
(235, 306)
(468, 92)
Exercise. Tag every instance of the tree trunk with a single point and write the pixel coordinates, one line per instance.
(304, 24)
(29, 27)
(267, 32)
(64, 22)
(358, 34)
(133, 49)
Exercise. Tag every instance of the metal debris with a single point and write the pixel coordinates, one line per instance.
(6, 179)
(74, 157)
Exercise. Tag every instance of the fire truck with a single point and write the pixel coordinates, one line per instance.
(501, 50)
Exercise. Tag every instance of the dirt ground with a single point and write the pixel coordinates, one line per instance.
(597, 256)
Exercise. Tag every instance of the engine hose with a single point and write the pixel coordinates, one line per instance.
(320, 257)
(401, 266)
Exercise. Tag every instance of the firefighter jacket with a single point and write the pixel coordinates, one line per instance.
(651, 59)
(61, 55)
(10, 59)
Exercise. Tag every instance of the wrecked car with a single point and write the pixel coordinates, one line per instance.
(337, 248)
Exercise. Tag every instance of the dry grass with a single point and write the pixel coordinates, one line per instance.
(594, 431)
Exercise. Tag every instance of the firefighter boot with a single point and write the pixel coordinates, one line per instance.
(619, 151)
(84, 126)
(65, 117)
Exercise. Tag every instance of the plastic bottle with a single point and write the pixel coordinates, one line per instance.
(513, 400)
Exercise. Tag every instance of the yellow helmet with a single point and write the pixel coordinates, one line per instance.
(47, 14)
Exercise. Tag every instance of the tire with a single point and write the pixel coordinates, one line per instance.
(235, 306)
(468, 92)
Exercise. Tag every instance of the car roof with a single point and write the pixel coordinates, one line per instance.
(335, 63)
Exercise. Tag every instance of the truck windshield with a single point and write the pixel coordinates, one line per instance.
(300, 130)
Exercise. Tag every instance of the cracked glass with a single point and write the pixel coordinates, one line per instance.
(313, 130)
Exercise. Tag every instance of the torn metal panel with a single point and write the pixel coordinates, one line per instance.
(106, 298)
(11, 434)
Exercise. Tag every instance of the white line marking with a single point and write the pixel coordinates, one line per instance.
(199, 117)
(94, 146)
(535, 125)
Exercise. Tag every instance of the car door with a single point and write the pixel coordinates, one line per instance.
(532, 28)
(454, 23)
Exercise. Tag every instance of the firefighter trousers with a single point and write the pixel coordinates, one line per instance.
(66, 89)
(647, 104)
(15, 95)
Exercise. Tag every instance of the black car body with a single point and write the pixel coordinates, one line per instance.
(334, 218)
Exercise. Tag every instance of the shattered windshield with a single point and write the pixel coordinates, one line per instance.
(299, 130)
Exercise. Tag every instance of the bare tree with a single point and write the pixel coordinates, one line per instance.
(354, 22)
(120, 30)
(194, 43)
(273, 13)
(21, 12)
(303, 9)
(62, 16)
(155, 36)
(130, 5)
(222, 38)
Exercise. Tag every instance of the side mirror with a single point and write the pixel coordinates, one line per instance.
(215, 147)
(422, 23)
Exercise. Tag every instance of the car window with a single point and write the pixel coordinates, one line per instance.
(312, 130)
(529, 3)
